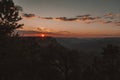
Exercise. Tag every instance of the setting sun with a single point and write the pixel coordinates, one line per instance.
(42, 35)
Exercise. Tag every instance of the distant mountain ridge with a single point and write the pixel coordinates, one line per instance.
(88, 44)
(43, 42)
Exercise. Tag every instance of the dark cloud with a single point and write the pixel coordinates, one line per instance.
(83, 18)
(87, 15)
(65, 19)
(49, 31)
(32, 33)
(28, 32)
(106, 22)
(37, 33)
(39, 29)
(59, 18)
(117, 23)
(105, 19)
(72, 19)
(112, 16)
(28, 15)
(88, 18)
(47, 18)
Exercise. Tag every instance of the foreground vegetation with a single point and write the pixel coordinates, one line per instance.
(26, 59)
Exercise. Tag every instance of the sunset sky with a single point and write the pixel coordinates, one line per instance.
(70, 18)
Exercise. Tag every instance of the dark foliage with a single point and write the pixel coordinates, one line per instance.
(45, 59)
(9, 16)
(21, 59)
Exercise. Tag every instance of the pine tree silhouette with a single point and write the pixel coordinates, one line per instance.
(9, 17)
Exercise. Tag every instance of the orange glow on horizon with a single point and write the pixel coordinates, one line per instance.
(42, 35)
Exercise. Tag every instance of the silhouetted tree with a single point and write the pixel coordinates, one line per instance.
(9, 16)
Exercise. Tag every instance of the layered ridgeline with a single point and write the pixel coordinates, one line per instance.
(88, 45)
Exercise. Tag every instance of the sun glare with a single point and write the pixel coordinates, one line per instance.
(42, 35)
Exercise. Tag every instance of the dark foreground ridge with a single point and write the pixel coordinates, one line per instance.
(34, 58)
(43, 58)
